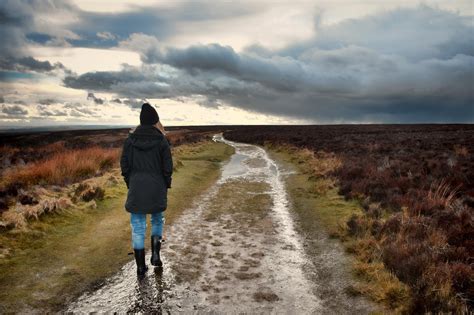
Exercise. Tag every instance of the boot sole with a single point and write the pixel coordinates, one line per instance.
(142, 274)
(157, 264)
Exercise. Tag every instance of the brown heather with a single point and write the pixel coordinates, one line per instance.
(62, 167)
(415, 184)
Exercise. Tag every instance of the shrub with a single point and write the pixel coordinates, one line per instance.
(87, 192)
(63, 167)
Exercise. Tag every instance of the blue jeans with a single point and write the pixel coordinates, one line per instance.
(138, 223)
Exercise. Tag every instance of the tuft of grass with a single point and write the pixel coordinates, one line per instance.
(7, 150)
(461, 151)
(442, 194)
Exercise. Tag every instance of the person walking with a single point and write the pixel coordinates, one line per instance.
(147, 166)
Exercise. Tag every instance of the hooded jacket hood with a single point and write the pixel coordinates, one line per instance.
(145, 137)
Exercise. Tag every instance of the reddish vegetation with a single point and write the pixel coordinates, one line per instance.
(62, 167)
(416, 183)
(64, 157)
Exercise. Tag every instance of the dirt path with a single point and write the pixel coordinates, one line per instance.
(236, 250)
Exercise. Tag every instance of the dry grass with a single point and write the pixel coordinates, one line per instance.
(461, 151)
(77, 166)
(63, 167)
(19, 216)
(51, 201)
(54, 147)
(375, 280)
(6, 150)
(318, 164)
(442, 194)
(31, 153)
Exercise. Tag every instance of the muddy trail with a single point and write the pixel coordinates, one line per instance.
(236, 250)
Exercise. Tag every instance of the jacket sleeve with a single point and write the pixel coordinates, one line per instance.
(167, 162)
(125, 164)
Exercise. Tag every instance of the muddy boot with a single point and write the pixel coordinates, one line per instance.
(140, 260)
(155, 251)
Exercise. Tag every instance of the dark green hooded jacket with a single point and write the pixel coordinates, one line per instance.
(147, 167)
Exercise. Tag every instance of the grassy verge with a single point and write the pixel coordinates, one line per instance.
(317, 203)
(59, 256)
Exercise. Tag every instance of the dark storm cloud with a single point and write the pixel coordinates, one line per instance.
(14, 22)
(24, 22)
(106, 29)
(368, 69)
(105, 80)
(77, 113)
(119, 25)
(44, 110)
(14, 110)
(87, 111)
(277, 73)
(68, 109)
(133, 103)
(97, 100)
(29, 64)
(48, 101)
(83, 109)
(19, 22)
(414, 33)
(129, 82)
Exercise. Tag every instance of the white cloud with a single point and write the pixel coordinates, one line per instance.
(105, 35)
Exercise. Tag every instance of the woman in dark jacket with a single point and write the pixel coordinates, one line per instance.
(147, 167)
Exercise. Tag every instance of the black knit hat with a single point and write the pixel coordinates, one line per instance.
(148, 115)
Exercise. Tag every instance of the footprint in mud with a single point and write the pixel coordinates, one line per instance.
(221, 276)
(265, 294)
(288, 247)
(235, 255)
(251, 262)
(217, 255)
(257, 254)
(226, 264)
(214, 299)
(216, 243)
(247, 275)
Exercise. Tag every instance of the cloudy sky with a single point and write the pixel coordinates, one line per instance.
(245, 62)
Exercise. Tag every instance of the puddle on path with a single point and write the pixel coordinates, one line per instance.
(235, 250)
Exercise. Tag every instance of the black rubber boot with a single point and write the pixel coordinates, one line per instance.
(155, 251)
(140, 260)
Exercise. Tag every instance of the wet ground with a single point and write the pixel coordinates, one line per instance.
(235, 250)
